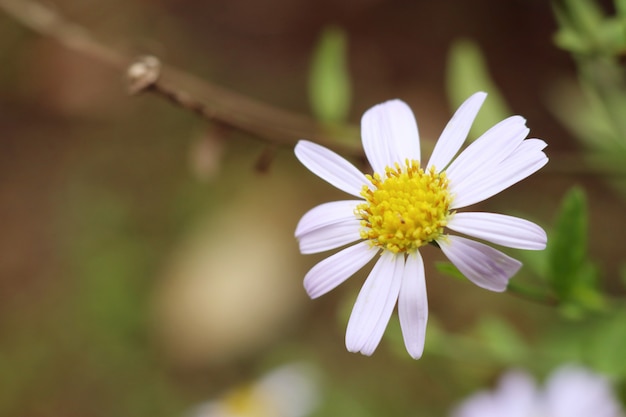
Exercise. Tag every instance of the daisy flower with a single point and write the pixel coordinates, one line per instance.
(403, 206)
(571, 391)
(288, 391)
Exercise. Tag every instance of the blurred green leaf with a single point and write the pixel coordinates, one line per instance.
(620, 8)
(585, 15)
(580, 16)
(585, 29)
(570, 40)
(610, 35)
(467, 73)
(583, 114)
(594, 109)
(329, 78)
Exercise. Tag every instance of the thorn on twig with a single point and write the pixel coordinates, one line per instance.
(143, 74)
(266, 158)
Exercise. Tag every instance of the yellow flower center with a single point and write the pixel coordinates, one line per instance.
(247, 401)
(407, 209)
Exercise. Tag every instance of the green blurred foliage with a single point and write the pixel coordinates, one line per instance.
(593, 110)
(329, 77)
(467, 73)
(585, 29)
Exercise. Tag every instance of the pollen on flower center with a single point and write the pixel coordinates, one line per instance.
(405, 210)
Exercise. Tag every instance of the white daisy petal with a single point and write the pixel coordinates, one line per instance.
(510, 171)
(532, 145)
(413, 305)
(471, 186)
(330, 167)
(331, 236)
(325, 215)
(455, 132)
(374, 304)
(500, 229)
(332, 271)
(488, 150)
(483, 265)
(390, 135)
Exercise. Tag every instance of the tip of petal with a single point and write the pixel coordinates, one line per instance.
(415, 353)
(361, 351)
(299, 144)
(478, 94)
(542, 240)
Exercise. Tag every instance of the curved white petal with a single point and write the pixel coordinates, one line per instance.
(330, 237)
(374, 304)
(330, 167)
(532, 145)
(488, 150)
(332, 271)
(325, 215)
(413, 305)
(510, 171)
(390, 135)
(500, 229)
(483, 265)
(455, 132)
(528, 149)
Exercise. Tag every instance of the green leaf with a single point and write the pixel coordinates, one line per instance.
(329, 79)
(467, 73)
(571, 274)
(567, 248)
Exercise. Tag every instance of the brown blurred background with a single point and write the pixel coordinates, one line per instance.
(145, 265)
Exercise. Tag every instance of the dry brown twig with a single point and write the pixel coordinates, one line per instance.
(276, 127)
(146, 74)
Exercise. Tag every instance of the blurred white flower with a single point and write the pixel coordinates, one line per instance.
(205, 311)
(571, 391)
(287, 391)
(404, 206)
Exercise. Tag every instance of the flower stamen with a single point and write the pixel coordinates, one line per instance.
(407, 209)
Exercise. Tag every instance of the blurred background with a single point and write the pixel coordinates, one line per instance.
(146, 266)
